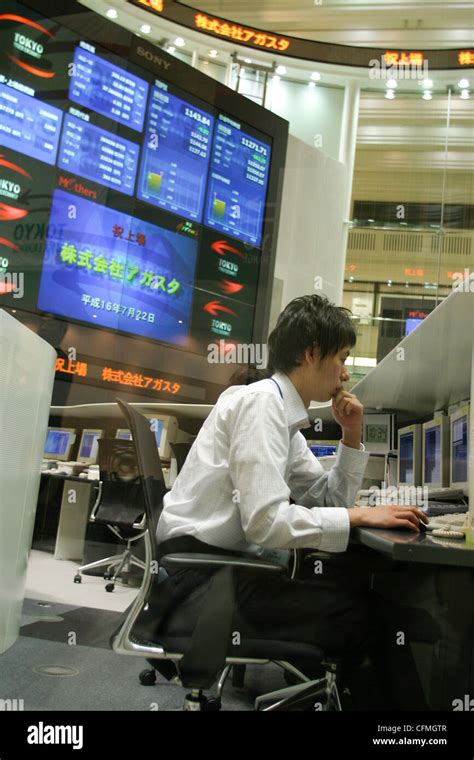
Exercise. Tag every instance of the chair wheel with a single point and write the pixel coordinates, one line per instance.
(77, 578)
(211, 704)
(147, 677)
(107, 576)
(110, 586)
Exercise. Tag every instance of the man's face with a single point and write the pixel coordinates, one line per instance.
(329, 374)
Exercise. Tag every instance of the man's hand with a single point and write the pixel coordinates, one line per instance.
(387, 517)
(349, 414)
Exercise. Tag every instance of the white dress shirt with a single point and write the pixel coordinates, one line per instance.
(249, 457)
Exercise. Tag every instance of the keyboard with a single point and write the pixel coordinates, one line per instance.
(436, 508)
(447, 521)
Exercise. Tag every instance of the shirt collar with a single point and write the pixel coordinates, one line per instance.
(295, 411)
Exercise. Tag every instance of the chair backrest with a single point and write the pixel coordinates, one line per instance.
(121, 501)
(149, 467)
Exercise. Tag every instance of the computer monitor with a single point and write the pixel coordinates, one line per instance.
(58, 443)
(123, 434)
(89, 447)
(324, 448)
(436, 453)
(165, 430)
(459, 422)
(409, 468)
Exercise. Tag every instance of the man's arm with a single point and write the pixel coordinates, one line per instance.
(310, 485)
(258, 460)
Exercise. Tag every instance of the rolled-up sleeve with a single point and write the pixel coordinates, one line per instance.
(258, 464)
(310, 485)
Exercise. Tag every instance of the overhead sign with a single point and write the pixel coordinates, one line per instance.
(295, 47)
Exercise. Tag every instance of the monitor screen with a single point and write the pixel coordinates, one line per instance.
(411, 324)
(323, 450)
(58, 443)
(433, 455)
(157, 426)
(158, 189)
(89, 445)
(406, 455)
(123, 434)
(459, 432)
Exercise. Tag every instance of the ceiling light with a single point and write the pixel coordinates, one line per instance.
(145, 28)
(312, 85)
(427, 95)
(316, 76)
(392, 83)
(389, 283)
(171, 49)
(179, 42)
(111, 13)
(247, 60)
(280, 70)
(276, 78)
(464, 94)
(213, 53)
(205, 63)
(427, 84)
(390, 94)
(463, 83)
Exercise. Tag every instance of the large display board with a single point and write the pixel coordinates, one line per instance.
(127, 201)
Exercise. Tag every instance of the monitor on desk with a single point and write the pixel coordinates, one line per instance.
(123, 434)
(165, 430)
(409, 456)
(459, 423)
(58, 444)
(89, 447)
(436, 453)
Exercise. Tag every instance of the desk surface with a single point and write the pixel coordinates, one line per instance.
(407, 546)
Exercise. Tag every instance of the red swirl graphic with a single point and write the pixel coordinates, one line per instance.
(8, 244)
(24, 20)
(228, 287)
(31, 69)
(10, 213)
(10, 165)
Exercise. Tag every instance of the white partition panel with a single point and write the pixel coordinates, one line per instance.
(26, 386)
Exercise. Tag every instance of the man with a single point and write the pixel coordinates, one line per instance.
(250, 458)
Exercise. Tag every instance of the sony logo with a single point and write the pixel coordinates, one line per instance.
(153, 58)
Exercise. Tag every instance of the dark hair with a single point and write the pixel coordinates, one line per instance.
(308, 322)
(246, 376)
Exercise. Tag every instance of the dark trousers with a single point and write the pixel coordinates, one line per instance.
(331, 605)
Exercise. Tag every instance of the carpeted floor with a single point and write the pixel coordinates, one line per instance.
(63, 661)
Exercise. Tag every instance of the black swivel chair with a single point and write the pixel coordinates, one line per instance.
(120, 506)
(204, 655)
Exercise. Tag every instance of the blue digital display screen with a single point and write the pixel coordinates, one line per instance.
(29, 126)
(459, 450)
(57, 442)
(113, 270)
(98, 155)
(238, 182)
(176, 153)
(433, 455)
(108, 89)
(406, 454)
(411, 324)
(90, 445)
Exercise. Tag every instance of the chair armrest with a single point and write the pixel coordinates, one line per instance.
(95, 507)
(196, 561)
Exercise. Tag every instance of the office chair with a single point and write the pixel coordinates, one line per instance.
(199, 658)
(119, 505)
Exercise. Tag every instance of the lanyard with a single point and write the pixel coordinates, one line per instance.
(279, 389)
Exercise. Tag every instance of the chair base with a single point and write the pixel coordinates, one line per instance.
(319, 695)
(121, 562)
